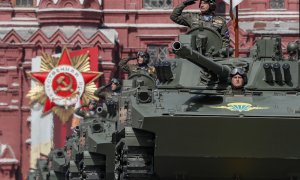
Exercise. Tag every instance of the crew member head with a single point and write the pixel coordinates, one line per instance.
(207, 6)
(115, 84)
(143, 58)
(238, 78)
(92, 105)
(293, 50)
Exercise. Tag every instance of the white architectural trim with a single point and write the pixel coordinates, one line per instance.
(107, 63)
(8, 67)
(55, 2)
(68, 10)
(3, 89)
(24, 9)
(19, 23)
(9, 161)
(278, 16)
(6, 8)
(4, 148)
(24, 19)
(144, 25)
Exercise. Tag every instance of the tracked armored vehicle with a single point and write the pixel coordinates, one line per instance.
(187, 124)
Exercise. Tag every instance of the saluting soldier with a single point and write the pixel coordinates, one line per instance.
(206, 17)
(86, 111)
(141, 65)
(114, 89)
(110, 98)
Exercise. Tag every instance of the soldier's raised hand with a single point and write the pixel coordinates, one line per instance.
(129, 58)
(189, 2)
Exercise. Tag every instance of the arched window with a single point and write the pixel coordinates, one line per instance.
(276, 4)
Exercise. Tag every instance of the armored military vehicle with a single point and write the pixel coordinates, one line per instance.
(85, 153)
(191, 126)
(188, 124)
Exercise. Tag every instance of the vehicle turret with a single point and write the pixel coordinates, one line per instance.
(200, 60)
(58, 164)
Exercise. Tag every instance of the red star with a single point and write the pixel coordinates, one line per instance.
(64, 60)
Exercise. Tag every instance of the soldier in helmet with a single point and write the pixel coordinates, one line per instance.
(238, 79)
(110, 98)
(141, 65)
(293, 50)
(115, 89)
(87, 110)
(206, 17)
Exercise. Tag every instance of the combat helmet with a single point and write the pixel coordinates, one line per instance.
(94, 104)
(145, 55)
(292, 48)
(212, 4)
(117, 82)
(240, 71)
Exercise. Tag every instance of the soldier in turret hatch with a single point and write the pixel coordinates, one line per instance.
(87, 110)
(114, 89)
(141, 65)
(110, 97)
(206, 17)
(238, 79)
(293, 50)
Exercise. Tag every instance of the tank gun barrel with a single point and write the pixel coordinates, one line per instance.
(200, 60)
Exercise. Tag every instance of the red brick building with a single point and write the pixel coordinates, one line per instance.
(117, 28)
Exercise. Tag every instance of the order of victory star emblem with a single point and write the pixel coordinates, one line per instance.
(64, 85)
(62, 82)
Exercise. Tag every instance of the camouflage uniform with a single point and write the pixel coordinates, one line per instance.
(105, 96)
(194, 20)
(136, 69)
(109, 99)
(85, 112)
